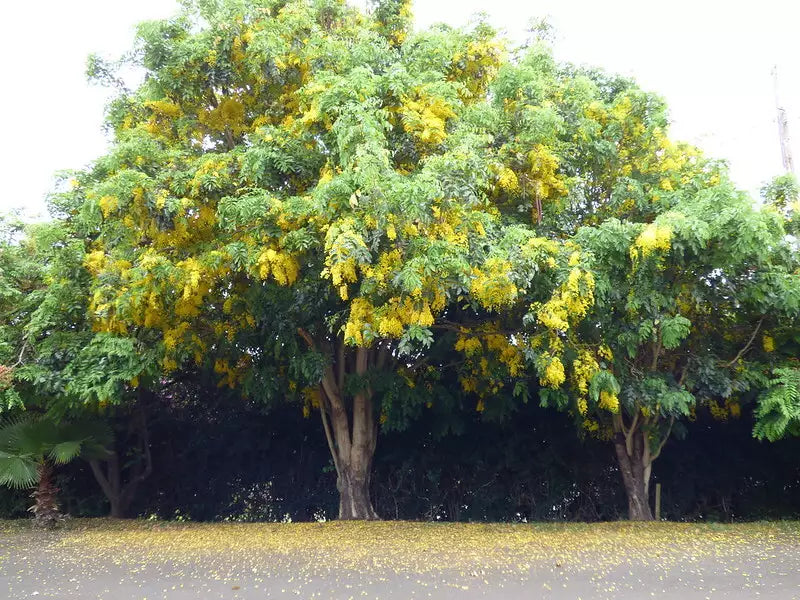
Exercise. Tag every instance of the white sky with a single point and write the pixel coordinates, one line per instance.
(710, 59)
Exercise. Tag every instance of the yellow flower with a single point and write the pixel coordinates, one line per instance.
(653, 237)
(507, 180)
(609, 401)
(554, 374)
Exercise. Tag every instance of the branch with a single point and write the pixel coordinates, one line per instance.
(101, 478)
(328, 434)
(747, 345)
(341, 365)
(655, 454)
(683, 375)
(307, 337)
(21, 353)
(656, 350)
(629, 434)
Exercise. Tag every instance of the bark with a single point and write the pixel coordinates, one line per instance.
(45, 508)
(635, 476)
(351, 431)
(119, 494)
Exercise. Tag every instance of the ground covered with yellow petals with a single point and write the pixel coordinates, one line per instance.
(153, 560)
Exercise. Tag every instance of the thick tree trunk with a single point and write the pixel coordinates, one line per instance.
(634, 466)
(119, 509)
(354, 498)
(352, 437)
(632, 444)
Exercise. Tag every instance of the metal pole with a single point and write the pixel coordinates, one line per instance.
(658, 502)
(783, 127)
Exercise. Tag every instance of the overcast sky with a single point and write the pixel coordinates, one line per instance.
(710, 59)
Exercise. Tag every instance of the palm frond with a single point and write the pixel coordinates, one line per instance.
(17, 471)
(63, 452)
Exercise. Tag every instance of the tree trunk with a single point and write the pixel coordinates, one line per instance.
(352, 438)
(45, 507)
(118, 508)
(635, 468)
(354, 498)
(120, 495)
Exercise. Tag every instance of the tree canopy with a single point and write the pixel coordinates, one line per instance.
(326, 206)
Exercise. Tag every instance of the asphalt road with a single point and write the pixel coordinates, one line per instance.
(69, 565)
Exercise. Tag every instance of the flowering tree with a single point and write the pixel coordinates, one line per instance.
(321, 204)
(686, 309)
(299, 194)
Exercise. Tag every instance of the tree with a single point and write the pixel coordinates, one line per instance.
(686, 308)
(51, 358)
(299, 193)
(778, 411)
(31, 448)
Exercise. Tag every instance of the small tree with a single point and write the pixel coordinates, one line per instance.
(685, 312)
(31, 449)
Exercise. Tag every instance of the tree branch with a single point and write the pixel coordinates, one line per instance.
(747, 345)
(629, 434)
(323, 409)
(656, 350)
(656, 454)
(307, 337)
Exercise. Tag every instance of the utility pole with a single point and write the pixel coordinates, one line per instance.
(783, 127)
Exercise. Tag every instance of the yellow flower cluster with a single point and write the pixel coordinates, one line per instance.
(173, 336)
(108, 204)
(718, 412)
(468, 345)
(311, 400)
(509, 354)
(387, 264)
(544, 167)
(388, 320)
(407, 312)
(390, 326)
(609, 401)
(605, 352)
(230, 375)
(165, 108)
(193, 274)
(229, 115)
(583, 405)
(492, 286)
(583, 369)
(217, 166)
(570, 303)
(768, 343)
(476, 66)
(654, 237)
(425, 118)
(361, 315)
(469, 384)
(507, 180)
(553, 375)
(282, 266)
(95, 261)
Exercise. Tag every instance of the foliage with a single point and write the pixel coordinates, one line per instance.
(25, 444)
(310, 204)
(779, 406)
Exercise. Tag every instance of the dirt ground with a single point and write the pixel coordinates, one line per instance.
(144, 560)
